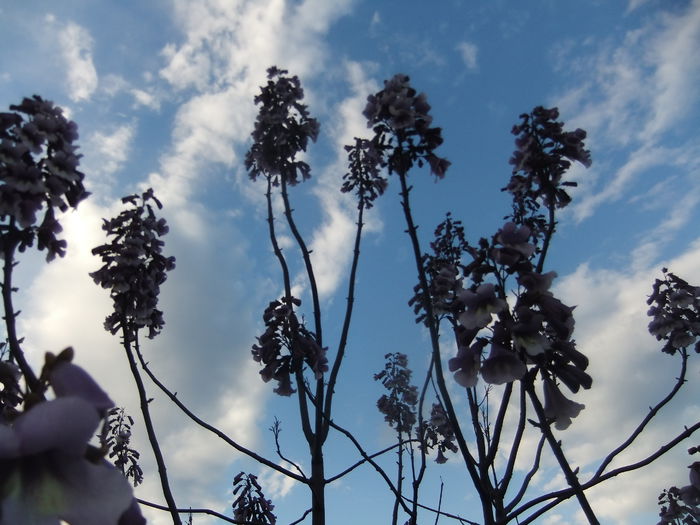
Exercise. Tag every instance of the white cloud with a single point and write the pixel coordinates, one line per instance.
(144, 98)
(333, 240)
(76, 47)
(105, 154)
(275, 484)
(629, 368)
(676, 71)
(468, 52)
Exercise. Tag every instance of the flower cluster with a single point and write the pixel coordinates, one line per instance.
(286, 345)
(282, 130)
(544, 153)
(38, 171)
(682, 505)
(48, 471)
(250, 505)
(399, 407)
(133, 267)
(442, 270)
(675, 307)
(116, 437)
(437, 432)
(364, 176)
(11, 393)
(535, 328)
(401, 122)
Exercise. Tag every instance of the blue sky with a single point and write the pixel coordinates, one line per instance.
(162, 92)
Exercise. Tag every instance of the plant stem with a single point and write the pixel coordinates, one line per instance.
(127, 331)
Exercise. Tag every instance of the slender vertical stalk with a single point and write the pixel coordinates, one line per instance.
(317, 481)
(33, 384)
(333, 377)
(399, 479)
(127, 331)
(555, 446)
(434, 338)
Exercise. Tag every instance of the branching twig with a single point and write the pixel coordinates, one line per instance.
(652, 412)
(173, 397)
(131, 333)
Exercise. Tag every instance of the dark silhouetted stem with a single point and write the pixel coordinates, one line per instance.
(127, 331)
(333, 377)
(555, 446)
(434, 338)
(173, 397)
(33, 384)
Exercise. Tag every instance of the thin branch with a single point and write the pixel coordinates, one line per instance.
(528, 477)
(555, 446)
(551, 228)
(446, 514)
(333, 377)
(478, 431)
(437, 514)
(202, 511)
(434, 339)
(498, 425)
(273, 240)
(33, 384)
(307, 262)
(362, 461)
(173, 397)
(303, 517)
(303, 409)
(517, 439)
(127, 331)
(652, 412)
(276, 429)
(369, 460)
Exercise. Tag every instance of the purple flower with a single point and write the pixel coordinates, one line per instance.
(514, 244)
(537, 283)
(45, 475)
(694, 474)
(502, 366)
(467, 363)
(690, 495)
(527, 331)
(558, 407)
(480, 306)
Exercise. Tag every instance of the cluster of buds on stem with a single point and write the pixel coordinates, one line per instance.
(286, 345)
(134, 267)
(39, 172)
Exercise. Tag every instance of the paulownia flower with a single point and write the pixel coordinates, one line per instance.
(502, 366)
(467, 363)
(45, 476)
(480, 304)
(558, 407)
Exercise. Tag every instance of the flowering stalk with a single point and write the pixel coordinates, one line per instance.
(133, 269)
(39, 175)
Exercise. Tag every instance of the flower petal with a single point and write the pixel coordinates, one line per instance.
(65, 424)
(68, 379)
(67, 488)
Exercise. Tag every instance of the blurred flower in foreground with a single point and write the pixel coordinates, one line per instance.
(45, 473)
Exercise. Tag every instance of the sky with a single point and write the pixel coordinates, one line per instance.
(163, 92)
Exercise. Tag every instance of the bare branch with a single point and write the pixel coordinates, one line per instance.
(173, 397)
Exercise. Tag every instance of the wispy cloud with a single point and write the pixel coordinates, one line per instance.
(76, 48)
(468, 52)
(629, 368)
(633, 96)
(105, 154)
